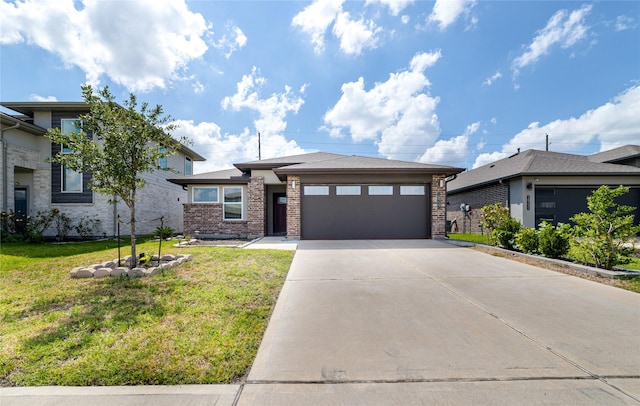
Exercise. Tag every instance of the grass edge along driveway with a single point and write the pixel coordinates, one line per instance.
(200, 323)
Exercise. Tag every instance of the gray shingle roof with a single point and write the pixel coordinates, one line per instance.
(617, 154)
(355, 163)
(286, 160)
(232, 175)
(536, 163)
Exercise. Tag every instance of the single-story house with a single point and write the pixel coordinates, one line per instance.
(31, 184)
(318, 196)
(541, 186)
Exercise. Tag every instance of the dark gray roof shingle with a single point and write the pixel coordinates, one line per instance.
(533, 162)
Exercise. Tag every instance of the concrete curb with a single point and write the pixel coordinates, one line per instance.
(603, 273)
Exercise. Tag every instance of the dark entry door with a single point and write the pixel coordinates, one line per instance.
(279, 213)
(20, 199)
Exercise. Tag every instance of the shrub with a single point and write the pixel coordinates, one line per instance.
(506, 232)
(164, 232)
(527, 240)
(62, 224)
(493, 216)
(553, 242)
(604, 233)
(87, 227)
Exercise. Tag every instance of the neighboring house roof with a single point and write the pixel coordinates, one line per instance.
(28, 109)
(536, 163)
(617, 154)
(7, 121)
(315, 163)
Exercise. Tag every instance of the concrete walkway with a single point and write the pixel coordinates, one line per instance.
(419, 322)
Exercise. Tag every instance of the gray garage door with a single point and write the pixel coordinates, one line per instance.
(365, 211)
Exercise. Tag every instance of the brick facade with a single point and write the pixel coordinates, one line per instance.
(293, 206)
(256, 207)
(476, 199)
(207, 220)
(438, 206)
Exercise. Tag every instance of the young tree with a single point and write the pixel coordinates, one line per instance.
(607, 230)
(116, 145)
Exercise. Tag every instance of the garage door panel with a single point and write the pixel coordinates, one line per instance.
(365, 217)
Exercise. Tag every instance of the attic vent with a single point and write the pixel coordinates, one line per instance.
(492, 165)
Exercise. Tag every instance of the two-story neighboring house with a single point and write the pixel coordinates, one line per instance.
(31, 184)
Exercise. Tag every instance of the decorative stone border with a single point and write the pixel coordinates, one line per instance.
(111, 268)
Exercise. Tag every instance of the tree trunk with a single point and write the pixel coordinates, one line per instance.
(132, 209)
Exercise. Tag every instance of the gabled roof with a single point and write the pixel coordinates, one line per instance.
(233, 175)
(617, 154)
(536, 163)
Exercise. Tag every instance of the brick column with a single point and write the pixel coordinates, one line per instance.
(256, 207)
(438, 206)
(294, 191)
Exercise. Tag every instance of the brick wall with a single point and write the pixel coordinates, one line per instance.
(256, 207)
(206, 218)
(476, 199)
(293, 206)
(438, 206)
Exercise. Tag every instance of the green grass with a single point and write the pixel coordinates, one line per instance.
(477, 238)
(200, 323)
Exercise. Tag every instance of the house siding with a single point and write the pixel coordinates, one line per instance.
(256, 207)
(438, 206)
(476, 199)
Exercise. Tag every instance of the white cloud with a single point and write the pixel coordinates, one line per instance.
(625, 23)
(36, 97)
(222, 150)
(230, 45)
(451, 152)
(613, 124)
(316, 18)
(446, 12)
(355, 35)
(395, 6)
(399, 115)
(198, 87)
(405, 19)
(139, 44)
(563, 28)
(489, 81)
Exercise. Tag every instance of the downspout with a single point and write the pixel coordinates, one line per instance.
(5, 186)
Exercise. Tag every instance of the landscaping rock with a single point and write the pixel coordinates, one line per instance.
(119, 271)
(167, 258)
(74, 271)
(136, 272)
(84, 273)
(109, 264)
(101, 272)
(188, 257)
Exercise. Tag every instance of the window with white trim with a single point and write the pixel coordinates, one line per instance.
(204, 194)
(316, 190)
(232, 203)
(381, 190)
(71, 180)
(412, 190)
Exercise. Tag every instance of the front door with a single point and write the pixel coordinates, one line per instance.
(20, 199)
(279, 214)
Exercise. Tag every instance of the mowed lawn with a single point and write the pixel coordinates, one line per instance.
(200, 323)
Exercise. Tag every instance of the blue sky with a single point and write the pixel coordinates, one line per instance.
(450, 82)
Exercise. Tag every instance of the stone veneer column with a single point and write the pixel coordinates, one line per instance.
(293, 206)
(438, 206)
(256, 207)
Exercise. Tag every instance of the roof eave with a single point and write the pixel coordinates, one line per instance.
(366, 171)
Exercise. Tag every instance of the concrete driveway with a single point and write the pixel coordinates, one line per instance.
(425, 322)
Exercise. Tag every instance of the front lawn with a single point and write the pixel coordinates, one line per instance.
(477, 238)
(200, 323)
